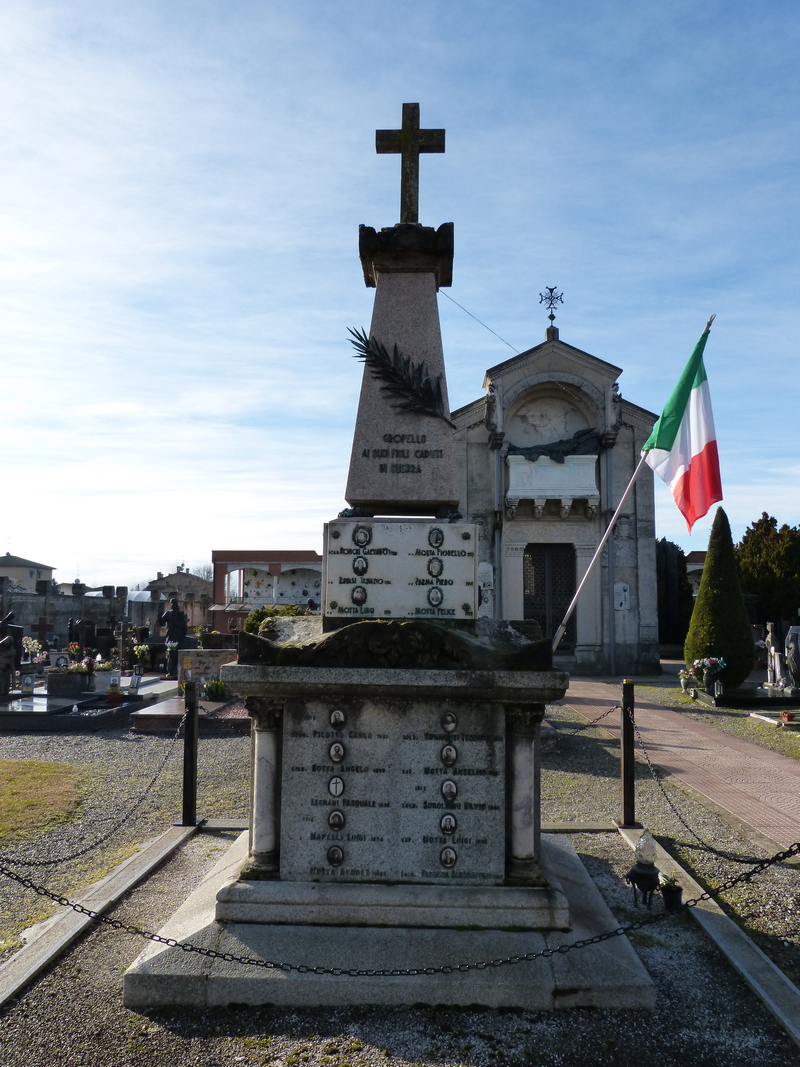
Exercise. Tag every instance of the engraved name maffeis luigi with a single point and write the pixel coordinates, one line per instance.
(400, 570)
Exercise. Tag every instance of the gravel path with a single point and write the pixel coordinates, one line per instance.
(580, 781)
(705, 1015)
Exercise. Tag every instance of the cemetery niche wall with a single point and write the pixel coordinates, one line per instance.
(395, 820)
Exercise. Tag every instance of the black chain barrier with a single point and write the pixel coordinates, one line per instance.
(585, 725)
(15, 862)
(396, 972)
(731, 856)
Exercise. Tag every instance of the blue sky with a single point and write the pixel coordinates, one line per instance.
(180, 191)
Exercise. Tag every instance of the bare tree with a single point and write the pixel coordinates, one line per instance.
(204, 570)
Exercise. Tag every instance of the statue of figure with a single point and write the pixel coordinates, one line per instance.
(177, 624)
(793, 655)
(490, 417)
(775, 673)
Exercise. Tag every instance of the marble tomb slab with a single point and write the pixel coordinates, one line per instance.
(413, 569)
(393, 791)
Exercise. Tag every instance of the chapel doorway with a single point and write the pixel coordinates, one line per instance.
(548, 574)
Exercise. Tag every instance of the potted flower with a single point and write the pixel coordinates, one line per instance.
(142, 652)
(215, 690)
(172, 658)
(105, 674)
(671, 891)
(787, 716)
(686, 677)
(32, 651)
(114, 693)
(707, 668)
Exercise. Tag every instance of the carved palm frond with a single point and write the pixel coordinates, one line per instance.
(409, 383)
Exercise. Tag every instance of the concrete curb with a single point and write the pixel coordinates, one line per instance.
(48, 939)
(780, 996)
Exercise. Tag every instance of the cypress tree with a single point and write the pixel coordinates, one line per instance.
(720, 625)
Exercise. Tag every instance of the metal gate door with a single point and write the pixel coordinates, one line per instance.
(549, 586)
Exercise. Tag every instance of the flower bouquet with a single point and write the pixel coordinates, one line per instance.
(707, 669)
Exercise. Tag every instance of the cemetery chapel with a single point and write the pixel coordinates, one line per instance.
(544, 457)
(540, 462)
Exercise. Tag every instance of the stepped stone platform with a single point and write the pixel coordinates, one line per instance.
(608, 974)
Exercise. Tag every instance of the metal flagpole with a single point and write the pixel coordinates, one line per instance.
(562, 628)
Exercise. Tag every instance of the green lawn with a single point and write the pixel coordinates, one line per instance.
(35, 795)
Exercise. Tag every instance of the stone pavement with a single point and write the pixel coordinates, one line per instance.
(757, 786)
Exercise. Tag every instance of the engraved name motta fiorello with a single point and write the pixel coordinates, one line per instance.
(392, 792)
(400, 569)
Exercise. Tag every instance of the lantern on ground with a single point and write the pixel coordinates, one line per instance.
(643, 875)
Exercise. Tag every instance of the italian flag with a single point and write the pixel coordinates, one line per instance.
(682, 449)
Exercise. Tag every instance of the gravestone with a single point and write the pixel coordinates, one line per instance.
(395, 817)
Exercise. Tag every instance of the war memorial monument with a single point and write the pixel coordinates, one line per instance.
(395, 822)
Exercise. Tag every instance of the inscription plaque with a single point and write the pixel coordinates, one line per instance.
(391, 807)
(400, 570)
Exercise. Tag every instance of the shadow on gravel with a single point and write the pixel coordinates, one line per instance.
(584, 752)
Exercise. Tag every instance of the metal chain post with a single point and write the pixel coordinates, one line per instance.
(627, 763)
(190, 756)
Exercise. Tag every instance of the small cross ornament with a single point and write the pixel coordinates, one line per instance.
(550, 298)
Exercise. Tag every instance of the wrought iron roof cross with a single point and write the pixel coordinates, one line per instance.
(550, 298)
(409, 142)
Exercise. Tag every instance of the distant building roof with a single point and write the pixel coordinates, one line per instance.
(698, 558)
(17, 561)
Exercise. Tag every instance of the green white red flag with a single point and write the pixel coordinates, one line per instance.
(682, 449)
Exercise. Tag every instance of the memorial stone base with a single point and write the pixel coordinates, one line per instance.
(606, 975)
(395, 824)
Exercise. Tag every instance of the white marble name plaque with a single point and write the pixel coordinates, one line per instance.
(392, 792)
(400, 570)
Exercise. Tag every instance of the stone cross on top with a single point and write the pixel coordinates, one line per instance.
(409, 142)
(42, 629)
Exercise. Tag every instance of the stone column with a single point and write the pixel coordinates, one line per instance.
(264, 800)
(523, 780)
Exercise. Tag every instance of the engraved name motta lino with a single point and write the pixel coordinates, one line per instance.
(387, 792)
